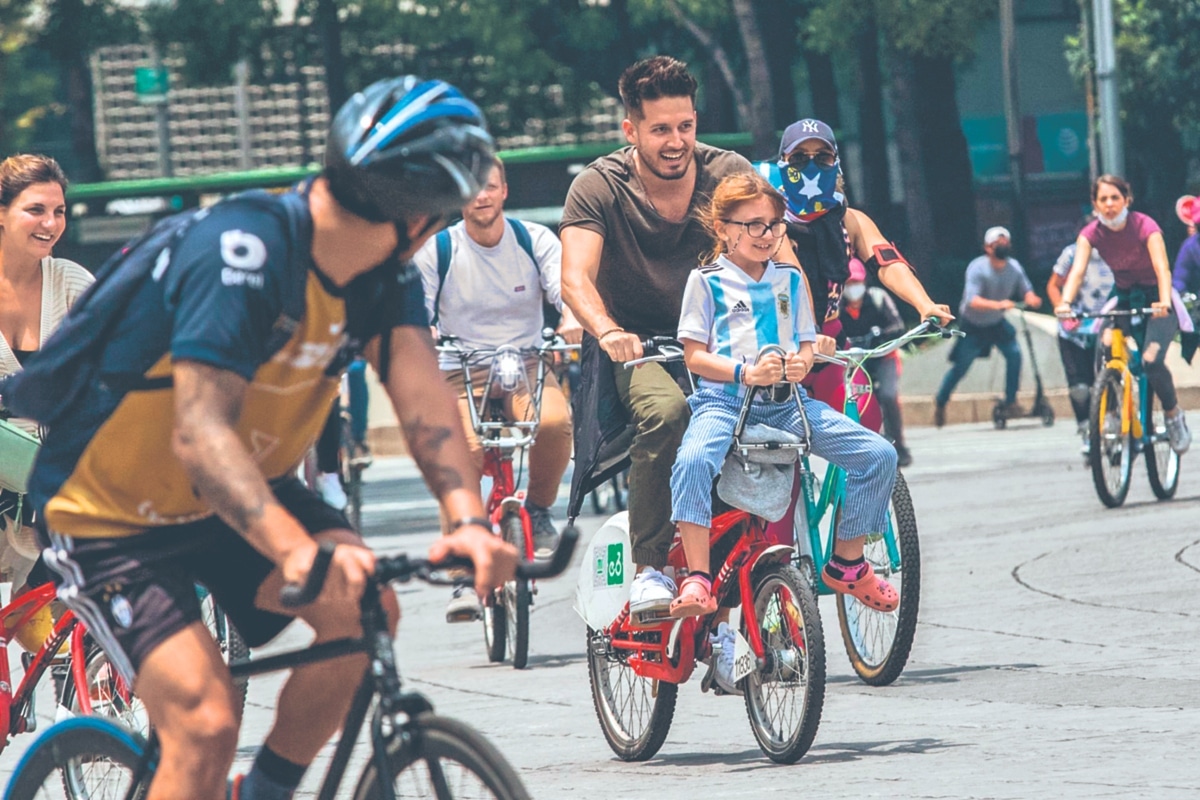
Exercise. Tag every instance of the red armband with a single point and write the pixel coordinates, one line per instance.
(884, 255)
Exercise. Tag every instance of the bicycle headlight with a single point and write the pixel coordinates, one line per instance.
(507, 370)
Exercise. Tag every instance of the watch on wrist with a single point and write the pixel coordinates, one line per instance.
(480, 521)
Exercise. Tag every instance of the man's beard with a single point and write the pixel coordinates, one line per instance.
(479, 218)
(669, 177)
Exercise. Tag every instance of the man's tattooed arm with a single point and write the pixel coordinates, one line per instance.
(208, 402)
(428, 412)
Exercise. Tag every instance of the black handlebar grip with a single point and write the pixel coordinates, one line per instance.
(557, 563)
(293, 596)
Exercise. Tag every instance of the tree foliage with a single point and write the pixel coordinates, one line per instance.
(212, 35)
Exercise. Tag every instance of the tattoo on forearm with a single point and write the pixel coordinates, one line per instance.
(425, 443)
(207, 405)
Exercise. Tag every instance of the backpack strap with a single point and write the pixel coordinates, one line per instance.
(444, 251)
(525, 240)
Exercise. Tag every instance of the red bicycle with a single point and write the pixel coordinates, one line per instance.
(506, 611)
(779, 660)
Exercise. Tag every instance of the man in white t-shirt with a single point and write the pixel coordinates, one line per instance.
(489, 291)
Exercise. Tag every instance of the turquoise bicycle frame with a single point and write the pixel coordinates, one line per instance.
(832, 494)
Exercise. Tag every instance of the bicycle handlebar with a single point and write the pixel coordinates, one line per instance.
(669, 349)
(1119, 312)
(401, 568)
(858, 355)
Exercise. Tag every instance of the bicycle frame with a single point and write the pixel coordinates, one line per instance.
(16, 705)
(650, 648)
(1133, 420)
(833, 487)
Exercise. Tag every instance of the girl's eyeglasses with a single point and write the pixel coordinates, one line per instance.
(800, 160)
(757, 230)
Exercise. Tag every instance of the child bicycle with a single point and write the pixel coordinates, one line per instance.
(506, 611)
(415, 753)
(877, 642)
(636, 666)
(1126, 418)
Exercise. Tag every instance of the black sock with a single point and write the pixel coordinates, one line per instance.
(272, 776)
(700, 574)
(844, 566)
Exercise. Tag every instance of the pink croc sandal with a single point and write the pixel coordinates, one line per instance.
(695, 598)
(870, 590)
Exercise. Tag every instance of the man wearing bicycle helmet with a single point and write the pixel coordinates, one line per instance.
(214, 346)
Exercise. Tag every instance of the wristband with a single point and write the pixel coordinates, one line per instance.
(737, 372)
(480, 521)
(607, 332)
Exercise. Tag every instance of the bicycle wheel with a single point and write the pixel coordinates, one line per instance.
(517, 596)
(85, 758)
(495, 627)
(443, 758)
(879, 643)
(1162, 463)
(1111, 455)
(229, 640)
(634, 712)
(785, 695)
(110, 696)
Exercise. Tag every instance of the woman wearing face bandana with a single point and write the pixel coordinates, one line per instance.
(826, 234)
(1132, 245)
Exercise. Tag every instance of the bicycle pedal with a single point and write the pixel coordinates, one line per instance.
(651, 618)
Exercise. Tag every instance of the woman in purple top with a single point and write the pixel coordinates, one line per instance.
(1132, 245)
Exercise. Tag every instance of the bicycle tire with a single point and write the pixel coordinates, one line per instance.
(495, 627)
(517, 596)
(1162, 462)
(445, 741)
(786, 606)
(630, 740)
(229, 640)
(878, 643)
(110, 698)
(1110, 452)
(43, 772)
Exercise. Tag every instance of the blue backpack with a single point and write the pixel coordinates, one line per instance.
(444, 253)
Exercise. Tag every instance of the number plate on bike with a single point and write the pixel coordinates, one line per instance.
(744, 662)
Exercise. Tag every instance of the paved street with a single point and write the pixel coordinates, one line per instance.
(1056, 656)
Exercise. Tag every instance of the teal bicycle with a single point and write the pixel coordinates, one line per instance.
(877, 643)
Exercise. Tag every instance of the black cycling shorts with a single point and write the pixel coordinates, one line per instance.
(139, 590)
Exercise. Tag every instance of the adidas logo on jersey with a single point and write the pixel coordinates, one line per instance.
(740, 308)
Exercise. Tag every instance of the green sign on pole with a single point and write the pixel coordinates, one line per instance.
(150, 84)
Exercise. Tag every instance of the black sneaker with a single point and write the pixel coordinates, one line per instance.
(939, 416)
(903, 457)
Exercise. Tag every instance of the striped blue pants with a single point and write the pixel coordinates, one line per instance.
(868, 459)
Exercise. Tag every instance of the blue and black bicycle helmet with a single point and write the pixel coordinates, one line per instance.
(407, 146)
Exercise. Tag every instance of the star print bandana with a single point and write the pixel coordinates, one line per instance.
(811, 191)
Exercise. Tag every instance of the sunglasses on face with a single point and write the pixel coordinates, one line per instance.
(823, 159)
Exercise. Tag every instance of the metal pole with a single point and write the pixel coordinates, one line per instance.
(1089, 93)
(1112, 152)
(162, 115)
(242, 104)
(1012, 119)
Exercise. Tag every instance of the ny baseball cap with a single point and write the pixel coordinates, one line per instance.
(998, 232)
(804, 129)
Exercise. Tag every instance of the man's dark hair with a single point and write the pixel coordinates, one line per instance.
(653, 78)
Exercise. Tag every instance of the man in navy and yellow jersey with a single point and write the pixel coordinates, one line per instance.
(208, 354)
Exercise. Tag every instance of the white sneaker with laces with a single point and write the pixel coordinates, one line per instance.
(1177, 431)
(651, 591)
(724, 641)
(329, 486)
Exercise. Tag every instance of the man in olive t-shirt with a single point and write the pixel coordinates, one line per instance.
(631, 234)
